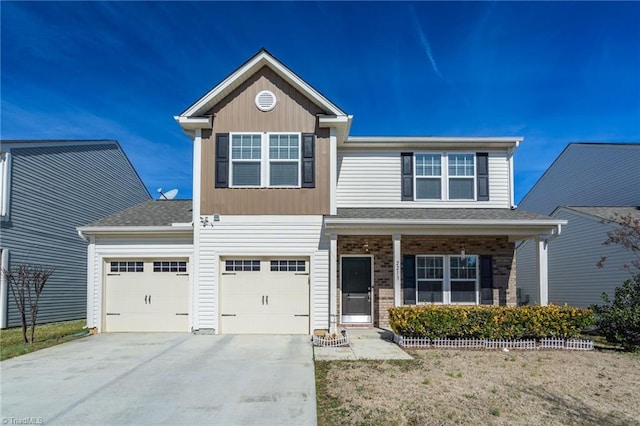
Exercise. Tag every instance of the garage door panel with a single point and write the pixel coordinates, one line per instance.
(265, 301)
(153, 298)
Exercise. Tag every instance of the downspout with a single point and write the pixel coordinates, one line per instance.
(4, 294)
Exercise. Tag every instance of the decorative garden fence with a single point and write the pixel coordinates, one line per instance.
(530, 344)
(332, 341)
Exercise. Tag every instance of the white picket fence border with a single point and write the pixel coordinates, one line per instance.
(529, 344)
(339, 340)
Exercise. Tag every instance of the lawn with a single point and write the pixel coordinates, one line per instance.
(46, 335)
(482, 387)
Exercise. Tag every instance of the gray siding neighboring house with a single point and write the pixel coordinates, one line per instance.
(585, 185)
(48, 189)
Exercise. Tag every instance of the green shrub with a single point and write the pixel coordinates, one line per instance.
(619, 322)
(489, 322)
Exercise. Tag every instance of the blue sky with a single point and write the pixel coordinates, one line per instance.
(552, 72)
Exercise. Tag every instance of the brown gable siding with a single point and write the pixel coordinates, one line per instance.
(238, 113)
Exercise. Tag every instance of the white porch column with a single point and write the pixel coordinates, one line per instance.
(542, 269)
(397, 264)
(333, 283)
(194, 279)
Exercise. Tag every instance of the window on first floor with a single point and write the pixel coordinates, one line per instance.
(446, 279)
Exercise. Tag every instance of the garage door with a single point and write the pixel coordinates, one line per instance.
(147, 295)
(264, 296)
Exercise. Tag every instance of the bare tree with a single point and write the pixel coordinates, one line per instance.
(27, 283)
(627, 235)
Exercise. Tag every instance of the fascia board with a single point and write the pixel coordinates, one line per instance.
(194, 123)
(416, 142)
(95, 230)
(444, 222)
(245, 71)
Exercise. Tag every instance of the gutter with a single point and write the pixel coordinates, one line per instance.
(447, 222)
(132, 229)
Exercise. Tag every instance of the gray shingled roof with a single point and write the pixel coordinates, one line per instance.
(438, 214)
(608, 212)
(150, 213)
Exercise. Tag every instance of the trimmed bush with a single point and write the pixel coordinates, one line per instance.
(489, 322)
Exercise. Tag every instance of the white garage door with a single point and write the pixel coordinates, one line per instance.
(264, 296)
(147, 295)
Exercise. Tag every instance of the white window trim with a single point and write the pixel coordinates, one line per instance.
(446, 285)
(5, 175)
(444, 176)
(265, 160)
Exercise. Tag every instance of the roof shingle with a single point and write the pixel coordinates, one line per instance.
(150, 213)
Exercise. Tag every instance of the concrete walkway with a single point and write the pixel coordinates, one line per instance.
(163, 378)
(371, 343)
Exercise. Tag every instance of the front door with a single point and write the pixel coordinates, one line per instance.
(356, 289)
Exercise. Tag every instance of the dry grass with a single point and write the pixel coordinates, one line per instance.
(482, 387)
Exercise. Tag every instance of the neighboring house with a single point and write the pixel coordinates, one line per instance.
(297, 226)
(601, 179)
(48, 189)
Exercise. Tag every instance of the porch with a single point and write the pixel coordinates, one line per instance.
(392, 257)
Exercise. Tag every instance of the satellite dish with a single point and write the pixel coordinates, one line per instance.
(169, 195)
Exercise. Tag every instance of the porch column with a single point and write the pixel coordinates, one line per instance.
(333, 284)
(397, 263)
(542, 270)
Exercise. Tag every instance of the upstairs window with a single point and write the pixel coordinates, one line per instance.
(461, 176)
(265, 160)
(284, 160)
(441, 176)
(429, 176)
(246, 157)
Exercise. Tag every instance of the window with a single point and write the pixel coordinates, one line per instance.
(288, 265)
(265, 160)
(428, 176)
(464, 273)
(246, 156)
(430, 279)
(284, 157)
(170, 266)
(441, 176)
(242, 265)
(461, 176)
(127, 266)
(446, 279)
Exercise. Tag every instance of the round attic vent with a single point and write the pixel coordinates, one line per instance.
(265, 100)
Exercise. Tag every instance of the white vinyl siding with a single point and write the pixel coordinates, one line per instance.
(574, 277)
(275, 237)
(373, 179)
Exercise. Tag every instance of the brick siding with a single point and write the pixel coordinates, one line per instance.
(381, 247)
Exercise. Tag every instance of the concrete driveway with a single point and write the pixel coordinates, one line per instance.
(175, 379)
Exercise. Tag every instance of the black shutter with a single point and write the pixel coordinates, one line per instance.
(407, 175)
(308, 166)
(408, 280)
(486, 280)
(222, 160)
(482, 165)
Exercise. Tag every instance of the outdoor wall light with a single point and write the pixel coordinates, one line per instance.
(365, 247)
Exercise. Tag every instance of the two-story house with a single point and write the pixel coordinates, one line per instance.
(47, 189)
(297, 226)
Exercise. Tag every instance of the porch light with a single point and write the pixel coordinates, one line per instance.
(365, 247)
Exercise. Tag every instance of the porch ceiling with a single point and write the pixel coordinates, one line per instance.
(516, 224)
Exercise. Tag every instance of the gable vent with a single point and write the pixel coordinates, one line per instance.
(265, 100)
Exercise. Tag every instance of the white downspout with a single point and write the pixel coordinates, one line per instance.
(4, 293)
